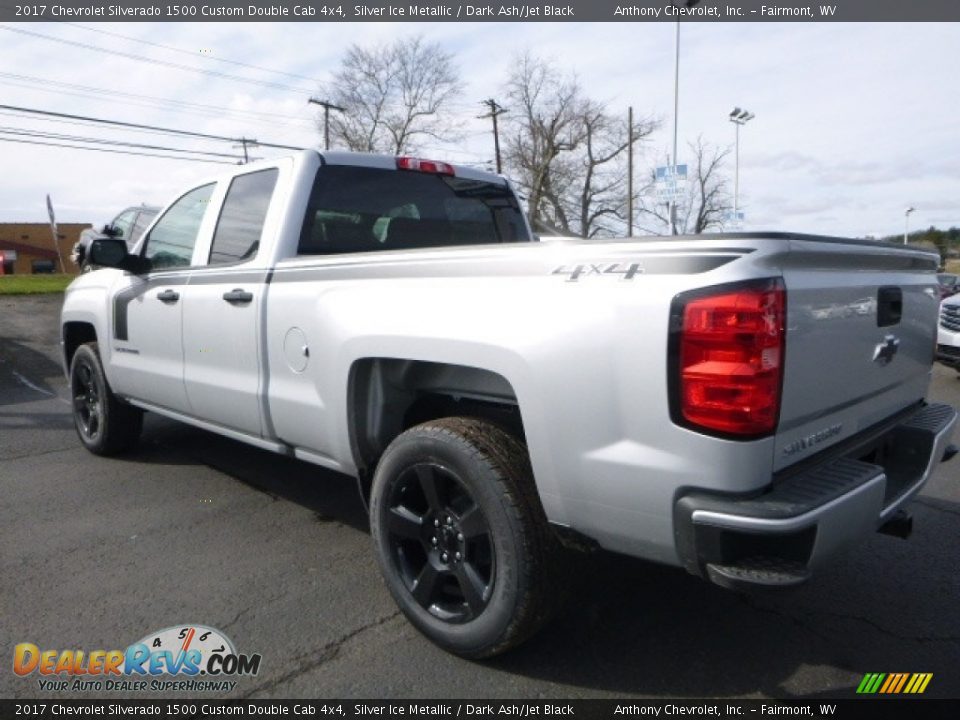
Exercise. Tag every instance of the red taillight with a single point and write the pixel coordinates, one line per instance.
(426, 166)
(729, 352)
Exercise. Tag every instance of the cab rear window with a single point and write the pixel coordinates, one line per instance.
(357, 209)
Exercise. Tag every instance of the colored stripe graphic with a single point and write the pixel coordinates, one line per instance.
(903, 680)
(894, 683)
(867, 684)
(923, 679)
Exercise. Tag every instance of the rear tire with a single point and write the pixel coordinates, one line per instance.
(461, 537)
(106, 424)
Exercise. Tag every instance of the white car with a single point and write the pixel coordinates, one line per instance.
(948, 332)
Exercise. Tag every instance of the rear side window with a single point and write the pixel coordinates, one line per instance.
(171, 241)
(356, 209)
(237, 237)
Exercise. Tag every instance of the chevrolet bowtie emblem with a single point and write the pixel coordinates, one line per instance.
(884, 351)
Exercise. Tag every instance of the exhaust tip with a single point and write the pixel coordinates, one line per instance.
(900, 525)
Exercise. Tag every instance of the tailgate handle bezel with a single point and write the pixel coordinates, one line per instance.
(889, 306)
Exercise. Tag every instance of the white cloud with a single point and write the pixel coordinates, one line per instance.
(854, 121)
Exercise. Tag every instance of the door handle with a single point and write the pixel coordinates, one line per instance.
(238, 295)
(168, 296)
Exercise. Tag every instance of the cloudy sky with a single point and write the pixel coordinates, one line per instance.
(854, 122)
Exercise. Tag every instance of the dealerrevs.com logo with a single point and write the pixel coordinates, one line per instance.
(184, 657)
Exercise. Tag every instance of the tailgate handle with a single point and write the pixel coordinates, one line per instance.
(889, 306)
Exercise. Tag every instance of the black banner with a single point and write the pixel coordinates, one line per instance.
(503, 11)
(847, 709)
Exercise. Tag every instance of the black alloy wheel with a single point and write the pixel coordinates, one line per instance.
(440, 541)
(105, 424)
(462, 539)
(87, 403)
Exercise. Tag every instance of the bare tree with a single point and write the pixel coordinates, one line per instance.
(542, 125)
(566, 151)
(393, 96)
(708, 199)
(602, 180)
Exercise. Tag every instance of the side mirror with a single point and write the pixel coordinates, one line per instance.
(112, 252)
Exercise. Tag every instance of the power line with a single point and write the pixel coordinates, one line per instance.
(187, 68)
(106, 150)
(118, 123)
(83, 124)
(189, 52)
(305, 126)
(154, 61)
(103, 141)
(207, 110)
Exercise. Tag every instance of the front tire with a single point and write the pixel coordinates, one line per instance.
(106, 425)
(461, 537)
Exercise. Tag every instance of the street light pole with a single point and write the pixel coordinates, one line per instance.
(676, 107)
(738, 117)
(906, 223)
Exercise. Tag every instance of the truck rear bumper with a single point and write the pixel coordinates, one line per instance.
(810, 513)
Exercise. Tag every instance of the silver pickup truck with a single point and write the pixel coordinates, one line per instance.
(742, 406)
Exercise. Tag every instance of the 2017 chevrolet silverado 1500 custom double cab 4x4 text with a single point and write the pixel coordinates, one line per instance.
(742, 406)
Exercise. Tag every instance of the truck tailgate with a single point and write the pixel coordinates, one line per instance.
(861, 333)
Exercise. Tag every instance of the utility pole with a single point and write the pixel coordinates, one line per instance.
(630, 171)
(244, 142)
(327, 107)
(495, 110)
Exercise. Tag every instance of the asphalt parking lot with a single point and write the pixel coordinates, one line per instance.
(194, 528)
